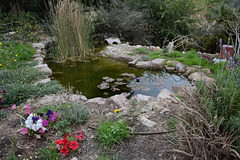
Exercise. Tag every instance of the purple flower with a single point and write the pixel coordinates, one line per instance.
(238, 81)
(220, 42)
(35, 119)
(137, 79)
(45, 123)
(52, 117)
(54, 112)
(200, 55)
(49, 112)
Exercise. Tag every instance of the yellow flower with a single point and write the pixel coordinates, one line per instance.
(14, 60)
(16, 55)
(0, 65)
(68, 106)
(116, 110)
(0, 43)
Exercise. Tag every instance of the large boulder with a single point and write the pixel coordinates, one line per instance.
(120, 100)
(44, 68)
(180, 67)
(200, 76)
(144, 64)
(165, 93)
(38, 45)
(157, 63)
(140, 98)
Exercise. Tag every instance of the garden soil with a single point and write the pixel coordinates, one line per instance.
(138, 147)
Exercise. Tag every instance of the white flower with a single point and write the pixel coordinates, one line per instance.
(34, 127)
(39, 124)
(44, 129)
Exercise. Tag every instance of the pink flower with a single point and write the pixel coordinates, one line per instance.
(44, 123)
(24, 131)
(52, 117)
(28, 112)
(14, 106)
(41, 131)
(27, 107)
(55, 113)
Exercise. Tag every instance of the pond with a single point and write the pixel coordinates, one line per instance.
(88, 78)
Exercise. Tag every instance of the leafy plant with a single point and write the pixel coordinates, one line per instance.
(175, 54)
(2, 114)
(172, 123)
(110, 132)
(26, 26)
(141, 51)
(48, 153)
(144, 58)
(72, 113)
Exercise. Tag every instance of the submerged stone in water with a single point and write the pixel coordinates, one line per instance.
(129, 75)
(105, 78)
(119, 79)
(109, 80)
(103, 85)
(146, 89)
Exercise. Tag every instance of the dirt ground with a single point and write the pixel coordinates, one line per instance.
(138, 147)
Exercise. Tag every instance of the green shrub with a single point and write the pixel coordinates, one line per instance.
(18, 93)
(2, 114)
(169, 19)
(175, 54)
(49, 153)
(26, 26)
(110, 132)
(124, 22)
(141, 51)
(72, 113)
(144, 58)
(14, 54)
(157, 54)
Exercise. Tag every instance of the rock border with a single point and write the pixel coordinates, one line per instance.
(122, 52)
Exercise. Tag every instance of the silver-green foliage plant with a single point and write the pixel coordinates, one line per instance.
(72, 28)
(110, 132)
(144, 58)
(72, 113)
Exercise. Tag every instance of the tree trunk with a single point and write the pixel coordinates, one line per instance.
(16, 7)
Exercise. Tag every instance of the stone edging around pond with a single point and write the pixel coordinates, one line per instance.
(121, 52)
(39, 58)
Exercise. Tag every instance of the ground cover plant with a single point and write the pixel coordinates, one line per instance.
(18, 77)
(14, 54)
(110, 132)
(26, 26)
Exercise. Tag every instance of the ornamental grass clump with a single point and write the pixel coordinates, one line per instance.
(72, 30)
(209, 127)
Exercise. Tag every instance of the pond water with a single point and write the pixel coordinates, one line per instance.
(88, 77)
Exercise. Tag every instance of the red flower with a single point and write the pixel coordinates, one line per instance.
(81, 134)
(64, 150)
(59, 141)
(78, 137)
(4, 91)
(66, 135)
(74, 145)
(65, 142)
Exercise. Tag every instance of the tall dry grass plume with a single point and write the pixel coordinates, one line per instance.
(72, 30)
